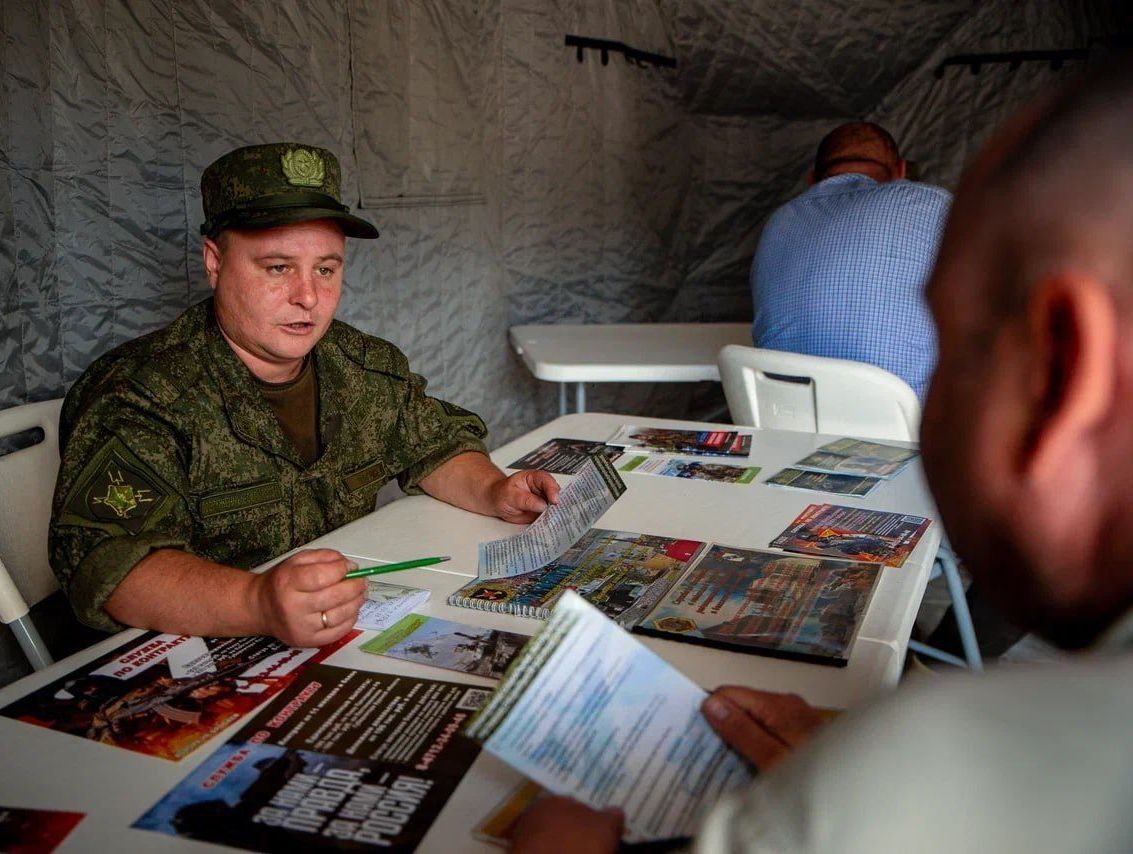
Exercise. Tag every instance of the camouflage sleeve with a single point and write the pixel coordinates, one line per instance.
(432, 432)
(121, 493)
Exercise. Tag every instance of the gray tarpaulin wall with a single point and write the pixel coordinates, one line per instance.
(511, 183)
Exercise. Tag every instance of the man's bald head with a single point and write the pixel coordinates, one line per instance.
(861, 147)
(1060, 183)
(1028, 425)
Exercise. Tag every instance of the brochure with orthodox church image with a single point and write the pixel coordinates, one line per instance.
(771, 603)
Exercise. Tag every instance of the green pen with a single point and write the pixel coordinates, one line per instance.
(394, 567)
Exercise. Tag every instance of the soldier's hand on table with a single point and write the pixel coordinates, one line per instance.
(293, 596)
(563, 825)
(762, 726)
(523, 496)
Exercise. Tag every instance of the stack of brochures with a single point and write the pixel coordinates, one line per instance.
(770, 603)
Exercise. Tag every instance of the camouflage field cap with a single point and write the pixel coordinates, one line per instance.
(262, 186)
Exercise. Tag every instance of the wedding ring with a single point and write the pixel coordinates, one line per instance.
(323, 614)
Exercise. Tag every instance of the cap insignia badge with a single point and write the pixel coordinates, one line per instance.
(303, 168)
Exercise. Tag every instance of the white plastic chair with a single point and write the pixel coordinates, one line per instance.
(27, 481)
(776, 390)
(789, 391)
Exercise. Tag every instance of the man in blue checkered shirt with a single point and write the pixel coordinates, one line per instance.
(840, 270)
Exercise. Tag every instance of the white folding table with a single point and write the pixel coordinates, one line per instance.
(43, 769)
(623, 353)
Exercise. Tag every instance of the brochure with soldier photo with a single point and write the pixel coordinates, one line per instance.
(565, 456)
(589, 712)
(854, 533)
(164, 695)
(621, 572)
(692, 469)
(344, 760)
(771, 603)
(856, 456)
(841, 484)
(663, 440)
(449, 645)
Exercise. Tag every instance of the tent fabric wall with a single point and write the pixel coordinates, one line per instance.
(582, 193)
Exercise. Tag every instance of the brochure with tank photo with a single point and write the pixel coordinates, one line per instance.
(663, 440)
(449, 645)
(589, 712)
(165, 695)
(344, 760)
(841, 484)
(691, 469)
(856, 456)
(565, 456)
(771, 603)
(854, 533)
(621, 572)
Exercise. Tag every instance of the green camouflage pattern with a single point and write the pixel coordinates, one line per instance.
(167, 443)
(261, 186)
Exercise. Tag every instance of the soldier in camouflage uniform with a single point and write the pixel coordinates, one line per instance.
(253, 424)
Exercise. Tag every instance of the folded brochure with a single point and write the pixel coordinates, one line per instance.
(581, 503)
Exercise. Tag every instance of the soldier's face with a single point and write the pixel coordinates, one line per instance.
(276, 291)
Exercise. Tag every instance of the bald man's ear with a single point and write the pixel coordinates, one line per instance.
(1073, 327)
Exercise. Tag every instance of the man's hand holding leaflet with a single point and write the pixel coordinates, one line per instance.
(580, 504)
(588, 712)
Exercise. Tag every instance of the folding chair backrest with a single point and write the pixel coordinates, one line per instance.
(27, 482)
(789, 391)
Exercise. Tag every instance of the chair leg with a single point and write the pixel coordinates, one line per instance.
(960, 608)
(31, 643)
(939, 654)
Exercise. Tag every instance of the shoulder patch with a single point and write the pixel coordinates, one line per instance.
(117, 492)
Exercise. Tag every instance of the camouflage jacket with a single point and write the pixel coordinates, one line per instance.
(166, 442)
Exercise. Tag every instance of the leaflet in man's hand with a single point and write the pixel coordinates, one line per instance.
(581, 503)
(663, 440)
(588, 712)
